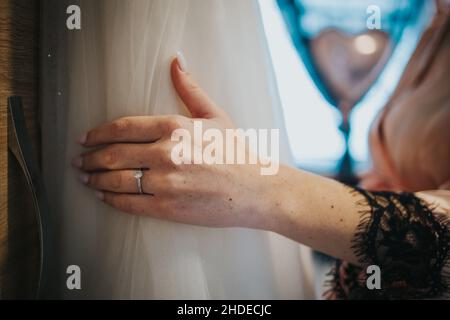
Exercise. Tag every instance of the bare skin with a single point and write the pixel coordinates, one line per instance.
(318, 212)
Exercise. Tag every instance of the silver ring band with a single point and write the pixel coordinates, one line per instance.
(138, 174)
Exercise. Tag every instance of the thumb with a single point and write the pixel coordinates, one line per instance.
(195, 99)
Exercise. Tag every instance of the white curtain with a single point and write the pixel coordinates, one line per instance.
(118, 65)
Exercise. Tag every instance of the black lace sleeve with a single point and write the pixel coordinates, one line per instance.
(407, 239)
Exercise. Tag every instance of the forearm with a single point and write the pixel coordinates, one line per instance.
(315, 211)
(358, 226)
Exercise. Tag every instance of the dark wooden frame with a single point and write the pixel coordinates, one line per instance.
(19, 74)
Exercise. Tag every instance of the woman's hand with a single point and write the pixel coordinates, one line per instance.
(202, 194)
(315, 211)
(310, 209)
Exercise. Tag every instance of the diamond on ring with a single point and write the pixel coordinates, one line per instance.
(138, 174)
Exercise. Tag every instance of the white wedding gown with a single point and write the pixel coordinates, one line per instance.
(118, 65)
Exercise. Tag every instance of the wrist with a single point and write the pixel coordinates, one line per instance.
(278, 203)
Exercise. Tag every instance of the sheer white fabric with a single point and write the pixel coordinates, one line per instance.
(119, 66)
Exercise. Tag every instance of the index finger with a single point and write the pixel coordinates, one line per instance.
(143, 129)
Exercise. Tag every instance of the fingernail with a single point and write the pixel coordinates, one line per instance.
(182, 61)
(84, 178)
(82, 139)
(100, 195)
(77, 162)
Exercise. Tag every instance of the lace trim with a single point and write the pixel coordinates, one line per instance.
(410, 243)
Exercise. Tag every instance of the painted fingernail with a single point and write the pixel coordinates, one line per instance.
(77, 162)
(100, 195)
(84, 178)
(182, 61)
(82, 139)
